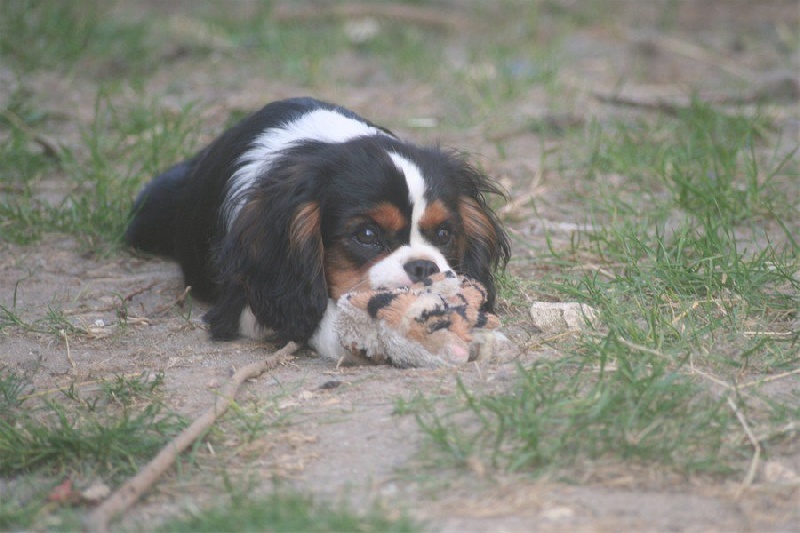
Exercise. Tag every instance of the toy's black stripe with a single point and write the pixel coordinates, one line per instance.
(439, 324)
(378, 302)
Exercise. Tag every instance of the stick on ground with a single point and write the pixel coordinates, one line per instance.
(99, 520)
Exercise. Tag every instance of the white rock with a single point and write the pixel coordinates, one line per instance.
(96, 492)
(557, 513)
(778, 474)
(555, 317)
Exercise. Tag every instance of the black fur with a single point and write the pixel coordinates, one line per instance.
(257, 261)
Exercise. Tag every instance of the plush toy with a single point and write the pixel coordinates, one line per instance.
(436, 322)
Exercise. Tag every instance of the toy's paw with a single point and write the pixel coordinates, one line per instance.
(492, 345)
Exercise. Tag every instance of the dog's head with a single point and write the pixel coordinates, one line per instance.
(369, 213)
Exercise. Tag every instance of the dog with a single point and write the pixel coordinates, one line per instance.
(304, 201)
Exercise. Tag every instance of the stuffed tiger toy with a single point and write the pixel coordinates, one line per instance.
(439, 321)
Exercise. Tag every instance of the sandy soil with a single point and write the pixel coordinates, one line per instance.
(345, 441)
(341, 442)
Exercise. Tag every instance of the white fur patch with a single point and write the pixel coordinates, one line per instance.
(326, 338)
(249, 326)
(416, 195)
(323, 125)
(390, 272)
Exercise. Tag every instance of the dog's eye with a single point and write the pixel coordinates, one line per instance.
(443, 236)
(368, 236)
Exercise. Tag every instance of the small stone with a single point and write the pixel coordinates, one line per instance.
(96, 492)
(776, 473)
(362, 30)
(557, 513)
(556, 317)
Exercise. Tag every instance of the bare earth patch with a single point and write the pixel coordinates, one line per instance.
(335, 432)
(341, 438)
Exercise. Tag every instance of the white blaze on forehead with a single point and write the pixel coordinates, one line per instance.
(390, 271)
(322, 125)
(416, 195)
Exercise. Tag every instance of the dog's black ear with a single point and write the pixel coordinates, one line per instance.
(271, 260)
(486, 246)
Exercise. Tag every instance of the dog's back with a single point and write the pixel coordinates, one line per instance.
(178, 214)
(152, 228)
(172, 217)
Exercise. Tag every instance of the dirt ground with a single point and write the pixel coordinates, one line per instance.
(341, 442)
(344, 442)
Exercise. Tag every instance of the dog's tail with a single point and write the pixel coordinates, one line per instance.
(152, 226)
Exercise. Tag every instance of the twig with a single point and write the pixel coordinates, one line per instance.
(393, 11)
(69, 354)
(132, 490)
(644, 349)
(711, 378)
(791, 427)
(693, 369)
(663, 106)
(50, 150)
(140, 290)
(478, 368)
(780, 89)
(767, 379)
(180, 301)
(701, 55)
(787, 334)
(751, 472)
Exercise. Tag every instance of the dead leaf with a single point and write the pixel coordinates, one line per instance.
(63, 493)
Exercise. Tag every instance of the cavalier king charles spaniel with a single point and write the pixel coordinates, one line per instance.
(304, 201)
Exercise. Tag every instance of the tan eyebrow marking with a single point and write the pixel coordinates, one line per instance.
(435, 214)
(388, 216)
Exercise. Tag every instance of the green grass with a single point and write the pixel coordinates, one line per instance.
(691, 291)
(111, 431)
(306, 50)
(125, 145)
(12, 387)
(692, 265)
(286, 511)
(561, 415)
(707, 161)
(102, 431)
(44, 34)
(57, 34)
(67, 439)
(53, 323)
(130, 140)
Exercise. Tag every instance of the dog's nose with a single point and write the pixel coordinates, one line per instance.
(420, 269)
